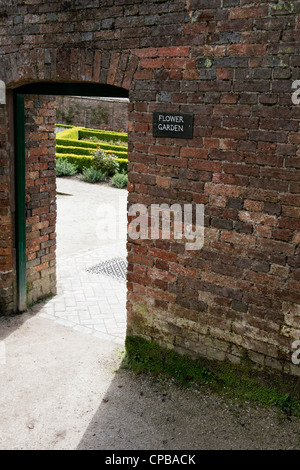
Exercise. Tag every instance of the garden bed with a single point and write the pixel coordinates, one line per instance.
(76, 145)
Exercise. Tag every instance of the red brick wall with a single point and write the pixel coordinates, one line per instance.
(240, 293)
(40, 196)
(231, 64)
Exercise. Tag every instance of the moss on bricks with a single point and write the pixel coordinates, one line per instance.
(239, 381)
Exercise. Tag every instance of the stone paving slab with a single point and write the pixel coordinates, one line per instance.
(87, 302)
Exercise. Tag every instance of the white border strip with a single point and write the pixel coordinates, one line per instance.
(2, 93)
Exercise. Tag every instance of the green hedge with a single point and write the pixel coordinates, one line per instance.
(73, 150)
(70, 134)
(83, 151)
(79, 152)
(91, 145)
(81, 161)
(123, 164)
(64, 125)
(70, 138)
(76, 133)
(85, 161)
(79, 143)
(102, 135)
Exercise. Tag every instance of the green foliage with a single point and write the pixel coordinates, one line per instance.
(123, 165)
(69, 126)
(99, 114)
(74, 143)
(71, 133)
(114, 143)
(108, 146)
(79, 137)
(85, 148)
(80, 161)
(105, 162)
(142, 355)
(288, 7)
(85, 161)
(65, 168)
(286, 403)
(102, 135)
(236, 381)
(91, 175)
(69, 115)
(61, 149)
(120, 180)
(70, 147)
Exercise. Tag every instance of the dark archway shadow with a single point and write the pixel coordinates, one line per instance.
(140, 412)
(10, 323)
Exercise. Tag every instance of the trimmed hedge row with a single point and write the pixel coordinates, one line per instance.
(79, 143)
(61, 149)
(70, 147)
(77, 133)
(84, 161)
(103, 135)
(91, 145)
(64, 125)
(69, 134)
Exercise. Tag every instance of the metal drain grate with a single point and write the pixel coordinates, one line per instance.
(115, 267)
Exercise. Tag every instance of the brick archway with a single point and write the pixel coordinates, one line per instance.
(82, 65)
(63, 71)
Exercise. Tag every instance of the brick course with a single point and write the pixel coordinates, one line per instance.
(231, 64)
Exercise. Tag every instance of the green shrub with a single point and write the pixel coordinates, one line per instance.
(105, 162)
(89, 145)
(65, 168)
(68, 116)
(123, 165)
(81, 161)
(80, 152)
(86, 148)
(114, 144)
(120, 180)
(91, 175)
(70, 137)
(100, 114)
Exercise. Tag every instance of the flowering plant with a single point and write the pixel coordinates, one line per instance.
(106, 162)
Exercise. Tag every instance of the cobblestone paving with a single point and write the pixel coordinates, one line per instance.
(88, 302)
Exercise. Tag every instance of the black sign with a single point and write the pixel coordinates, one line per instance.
(175, 125)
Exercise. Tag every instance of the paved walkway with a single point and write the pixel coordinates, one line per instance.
(91, 229)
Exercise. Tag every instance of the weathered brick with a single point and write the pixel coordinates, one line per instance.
(249, 12)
